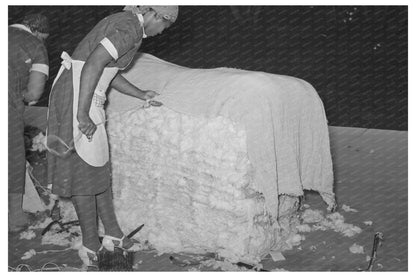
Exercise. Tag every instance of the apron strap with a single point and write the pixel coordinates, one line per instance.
(66, 63)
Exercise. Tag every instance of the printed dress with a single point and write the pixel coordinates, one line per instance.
(26, 53)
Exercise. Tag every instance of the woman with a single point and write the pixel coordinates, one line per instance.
(28, 70)
(76, 115)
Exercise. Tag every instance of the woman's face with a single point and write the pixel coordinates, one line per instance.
(156, 26)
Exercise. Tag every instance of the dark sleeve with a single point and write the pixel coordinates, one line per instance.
(40, 60)
(120, 38)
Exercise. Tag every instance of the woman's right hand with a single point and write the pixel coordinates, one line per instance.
(149, 94)
(86, 125)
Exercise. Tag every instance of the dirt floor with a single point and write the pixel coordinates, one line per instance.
(371, 177)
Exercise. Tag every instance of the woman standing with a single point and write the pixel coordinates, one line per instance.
(76, 113)
(28, 70)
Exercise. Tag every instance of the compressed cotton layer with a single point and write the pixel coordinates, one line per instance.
(189, 180)
(284, 119)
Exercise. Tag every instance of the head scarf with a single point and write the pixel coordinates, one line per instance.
(167, 12)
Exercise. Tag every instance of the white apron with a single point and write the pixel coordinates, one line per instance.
(95, 152)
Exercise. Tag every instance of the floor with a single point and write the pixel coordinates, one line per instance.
(371, 177)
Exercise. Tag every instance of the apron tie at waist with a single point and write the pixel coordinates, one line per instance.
(66, 63)
(66, 60)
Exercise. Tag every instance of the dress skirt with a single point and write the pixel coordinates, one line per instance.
(70, 175)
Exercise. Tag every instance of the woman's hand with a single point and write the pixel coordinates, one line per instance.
(149, 94)
(124, 86)
(86, 125)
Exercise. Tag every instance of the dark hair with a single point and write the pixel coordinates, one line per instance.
(37, 22)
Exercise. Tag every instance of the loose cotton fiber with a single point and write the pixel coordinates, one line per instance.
(189, 180)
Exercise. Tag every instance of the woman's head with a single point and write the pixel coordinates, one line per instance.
(155, 23)
(156, 18)
(38, 24)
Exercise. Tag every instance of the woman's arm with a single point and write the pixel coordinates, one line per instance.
(121, 84)
(35, 86)
(91, 73)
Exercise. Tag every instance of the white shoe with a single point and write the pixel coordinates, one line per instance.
(110, 243)
(89, 258)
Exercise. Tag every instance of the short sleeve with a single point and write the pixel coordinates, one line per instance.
(120, 39)
(40, 60)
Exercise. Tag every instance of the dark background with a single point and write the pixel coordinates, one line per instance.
(355, 56)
